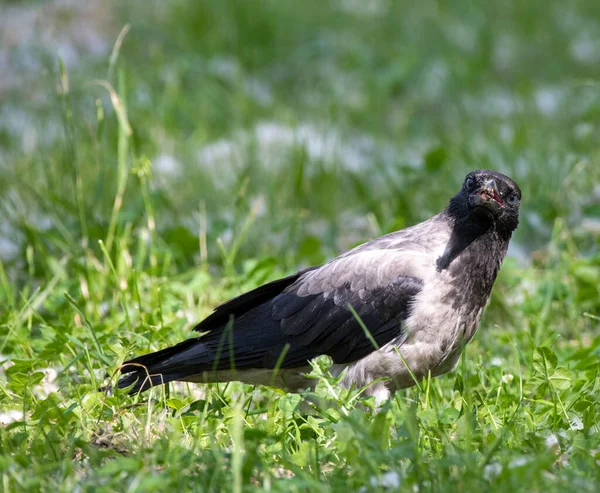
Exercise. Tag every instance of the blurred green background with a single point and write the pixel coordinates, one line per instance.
(336, 120)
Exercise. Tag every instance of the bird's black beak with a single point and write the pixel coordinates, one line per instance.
(487, 196)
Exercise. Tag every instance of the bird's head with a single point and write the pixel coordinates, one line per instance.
(487, 199)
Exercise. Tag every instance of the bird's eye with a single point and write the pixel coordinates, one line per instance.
(512, 200)
(469, 182)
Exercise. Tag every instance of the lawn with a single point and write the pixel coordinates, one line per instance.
(158, 158)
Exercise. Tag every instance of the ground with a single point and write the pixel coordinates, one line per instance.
(157, 158)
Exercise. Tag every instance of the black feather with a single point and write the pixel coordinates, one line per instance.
(317, 324)
(336, 331)
(243, 303)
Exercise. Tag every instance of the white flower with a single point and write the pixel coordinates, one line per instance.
(10, 416)
(508, 378)
(47, 385)
(388, 481)
(552, 444)
(492, 471)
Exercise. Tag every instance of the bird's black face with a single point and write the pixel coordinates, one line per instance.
(488, 197)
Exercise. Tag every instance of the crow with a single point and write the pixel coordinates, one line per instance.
(388, 312)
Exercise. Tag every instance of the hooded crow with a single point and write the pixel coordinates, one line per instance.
(411, 299)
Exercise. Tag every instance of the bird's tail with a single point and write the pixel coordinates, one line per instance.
(173, 363)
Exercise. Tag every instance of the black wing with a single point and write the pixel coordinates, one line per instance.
(305, 315)
(323, 323)
(235, 307)
(310, 312)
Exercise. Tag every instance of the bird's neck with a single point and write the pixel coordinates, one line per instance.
(474, 243)
(472, 258)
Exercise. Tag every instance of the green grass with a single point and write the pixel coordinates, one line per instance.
(232, 142)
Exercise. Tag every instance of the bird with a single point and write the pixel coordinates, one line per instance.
(390, 312)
